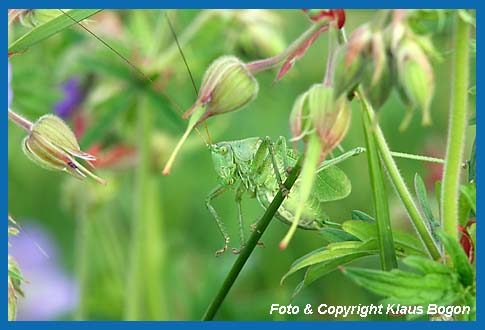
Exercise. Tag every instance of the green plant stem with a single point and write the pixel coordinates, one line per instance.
(19, 120)
(251, 243)
(396, 178)
(399, 184)
(144, 294)
(82, 259)
(457, 128)
(384, 231)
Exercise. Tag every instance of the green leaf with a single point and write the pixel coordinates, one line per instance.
(333, 235)
(360, 229)
(359, 215)
(407, 244)
(331, 184)
(423, 203)
(50, 28)
(469, 191)
(333, 255)
(408, 288)
(460, 261)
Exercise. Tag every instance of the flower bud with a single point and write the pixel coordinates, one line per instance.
(415, 77)
(331, 117)
(317, 111)
(52, 145)
(348, 70)
(322, 122)
(377, 91)
(227, 86)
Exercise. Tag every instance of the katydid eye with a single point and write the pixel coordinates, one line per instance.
(223, 150)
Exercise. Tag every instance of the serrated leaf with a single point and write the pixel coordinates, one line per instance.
(408, 288)
(459, 259)
(359, 215)
(50, 28)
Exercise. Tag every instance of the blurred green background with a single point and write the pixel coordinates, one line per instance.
(93, 226)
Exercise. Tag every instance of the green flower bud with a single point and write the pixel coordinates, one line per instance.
(377, 91)
(52, 145)
(348, 70)
(318, 112)
(301, 124)
(415, 77)
(227, 86)
(331, 117)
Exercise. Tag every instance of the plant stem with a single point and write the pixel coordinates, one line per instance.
(251, 243)
(82, 258)
(396, 178)
(267, 63)
(144, 291)
(456, 130)
(19, 120)
(400, 186)
(384, 231)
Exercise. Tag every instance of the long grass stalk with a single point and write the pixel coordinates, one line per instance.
(384, 231)
(250, 245)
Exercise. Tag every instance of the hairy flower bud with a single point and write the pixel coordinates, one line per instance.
(322, 122)
(227, 86)
(415, 77)
(318, 112)
(52, 145)
(331, 117)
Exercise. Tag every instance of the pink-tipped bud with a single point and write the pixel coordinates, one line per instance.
(52, 145)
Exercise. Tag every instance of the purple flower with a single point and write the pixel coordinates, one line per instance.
(49, 292)
(73, 97)
(10, 93)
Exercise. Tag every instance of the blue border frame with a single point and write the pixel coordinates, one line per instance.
(4, 324)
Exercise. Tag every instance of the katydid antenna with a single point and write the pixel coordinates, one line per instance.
(136, 69)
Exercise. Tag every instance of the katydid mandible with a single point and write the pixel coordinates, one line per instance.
(257, 167)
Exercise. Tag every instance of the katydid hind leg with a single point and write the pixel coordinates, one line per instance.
(272, 155)
(216, 192)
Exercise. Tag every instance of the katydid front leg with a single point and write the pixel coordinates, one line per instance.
(239, 194)
(216, 192)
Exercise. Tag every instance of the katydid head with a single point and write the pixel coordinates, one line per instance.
(223, 160)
